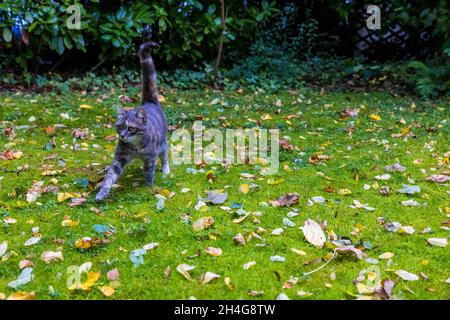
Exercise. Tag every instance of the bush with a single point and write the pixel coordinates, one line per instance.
(35, 31)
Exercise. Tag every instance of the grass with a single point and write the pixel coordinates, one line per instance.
(356, 159)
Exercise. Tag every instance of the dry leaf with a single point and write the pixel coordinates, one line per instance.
(228, 283)
(107, 290)
(202, 223)
(183, 270)
(21, 295)
(208, 277)
(386, 255)
(215, 252)
(314, 233)
(50, 256)
(113, 275)
(405, 275)
(439, 242)
(92, 278)
(438, 178)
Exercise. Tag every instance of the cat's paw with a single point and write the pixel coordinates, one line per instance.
(101, 196)
(166, 170)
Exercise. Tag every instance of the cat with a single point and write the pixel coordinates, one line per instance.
(142, 130)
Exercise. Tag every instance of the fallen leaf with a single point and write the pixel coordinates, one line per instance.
(25, 277)
(357, 252)
(107, 290)
(313, 233)
(438, 178)
(21, 295)
(113, 275)
(287, 200)
(386, 255)
(228, 283)
(202, 223)
(277, 259)
(439, 242)
(184, 269)
(215, 197)
(208, 277)
(50, 256)
(215, 252)
(405, 275)
(395, 167)
(277, 231)
(239, 239)
(298, 251)
(32, 241)
(92, 278)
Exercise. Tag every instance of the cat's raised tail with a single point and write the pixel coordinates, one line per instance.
(149, 88)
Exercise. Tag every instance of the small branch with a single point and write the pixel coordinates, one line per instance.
(322, 266)
(97, 65)
(59, 61)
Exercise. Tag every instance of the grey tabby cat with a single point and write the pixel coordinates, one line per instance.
(142, 131)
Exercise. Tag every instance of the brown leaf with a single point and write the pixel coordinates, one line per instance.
(287, 200)
(319, 158)
(438, 178)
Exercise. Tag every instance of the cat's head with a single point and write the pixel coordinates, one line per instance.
(131, 126)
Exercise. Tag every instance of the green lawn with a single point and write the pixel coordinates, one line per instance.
(133, 220)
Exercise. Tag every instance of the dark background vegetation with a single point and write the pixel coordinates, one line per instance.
(266, 44)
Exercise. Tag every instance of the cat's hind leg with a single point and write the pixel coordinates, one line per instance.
(149, 169)
(164, 156)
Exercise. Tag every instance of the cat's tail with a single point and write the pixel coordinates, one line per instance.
(149, 89)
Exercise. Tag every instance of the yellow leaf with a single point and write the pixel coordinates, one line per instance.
(161, 98)
(405, 131)
(84, 243)
(375, 117)
(363, 289)
(51, 172)
(298, 251)
(344, 192)
(228, 283)
(21, 295)
(107, 290)
(85, 106)
(62, 196)
(69, 223)
(165, 193)
(92, 278)
(272, 181)
(244, 188)
(266, 117)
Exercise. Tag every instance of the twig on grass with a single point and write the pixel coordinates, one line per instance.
(322, 266)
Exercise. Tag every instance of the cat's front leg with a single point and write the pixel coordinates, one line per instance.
(149, 169)
(114, 171)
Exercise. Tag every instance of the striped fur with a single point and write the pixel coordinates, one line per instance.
(149, 88)
(142, 131)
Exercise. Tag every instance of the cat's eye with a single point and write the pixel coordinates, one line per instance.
(132, 129)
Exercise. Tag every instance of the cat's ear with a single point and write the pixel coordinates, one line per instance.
(141, 114)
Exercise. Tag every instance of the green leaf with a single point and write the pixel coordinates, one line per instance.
(211, 8)
(32, 26)
(7, 35)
